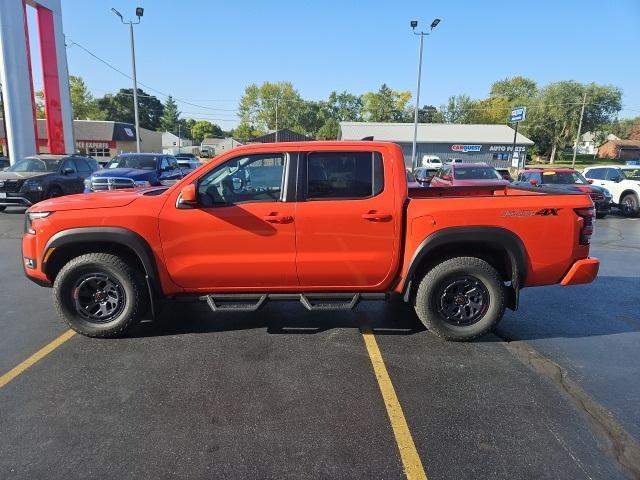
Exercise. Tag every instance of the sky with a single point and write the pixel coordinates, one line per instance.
(205, 52)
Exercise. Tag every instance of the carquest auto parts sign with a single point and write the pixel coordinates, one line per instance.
(466, 148)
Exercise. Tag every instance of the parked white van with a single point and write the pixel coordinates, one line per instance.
(431, 161)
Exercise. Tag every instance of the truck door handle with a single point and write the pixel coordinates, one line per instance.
(374, 216)
(275, 218)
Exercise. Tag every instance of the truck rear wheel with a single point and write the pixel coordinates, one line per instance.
(99, 295)
(460, 299)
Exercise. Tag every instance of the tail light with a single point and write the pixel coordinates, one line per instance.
(587, 215)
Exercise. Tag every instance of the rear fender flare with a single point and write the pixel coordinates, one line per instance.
(494, 237)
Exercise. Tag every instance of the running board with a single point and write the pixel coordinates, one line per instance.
(250, 302)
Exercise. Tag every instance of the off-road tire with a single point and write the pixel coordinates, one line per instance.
(430, 287)
(630, 199)
(131, 282)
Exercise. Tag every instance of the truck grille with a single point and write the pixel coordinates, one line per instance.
(10, 185)
(111, 183)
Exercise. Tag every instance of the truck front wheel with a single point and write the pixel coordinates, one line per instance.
(100, 295)
(460, 298)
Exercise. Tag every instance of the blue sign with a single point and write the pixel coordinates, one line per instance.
(518, 114)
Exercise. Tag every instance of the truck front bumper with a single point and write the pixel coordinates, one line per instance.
(582, 271)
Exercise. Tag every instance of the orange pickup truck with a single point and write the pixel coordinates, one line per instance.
(328, 224)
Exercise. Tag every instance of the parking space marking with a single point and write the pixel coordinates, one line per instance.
(35, 358)
(411, 462)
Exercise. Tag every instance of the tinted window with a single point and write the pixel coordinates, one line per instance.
(477, 173)
(612, 174)
(344, 175)
(252, 178)
(36, 165)
(563, 178)
(68, 163)
(82, 166)
(597, 173)
(173, 163)
(140, 162)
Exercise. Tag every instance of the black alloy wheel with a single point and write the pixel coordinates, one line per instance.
(98, 297)
(462, 300)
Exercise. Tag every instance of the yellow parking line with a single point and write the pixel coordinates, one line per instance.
(36, 357)
(413, 468)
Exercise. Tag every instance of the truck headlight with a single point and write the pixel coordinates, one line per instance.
(606, 193)
(29, 217)
(87, 184)
(142, 183)
(32, 185)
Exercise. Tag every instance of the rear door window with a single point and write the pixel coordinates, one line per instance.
(344, 175)
(82, 166)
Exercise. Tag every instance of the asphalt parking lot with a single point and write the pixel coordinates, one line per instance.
(285, 393)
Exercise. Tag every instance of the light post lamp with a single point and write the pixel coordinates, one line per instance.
(414, 24)
(139, 13)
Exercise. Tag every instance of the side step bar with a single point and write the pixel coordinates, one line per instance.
(250, 302)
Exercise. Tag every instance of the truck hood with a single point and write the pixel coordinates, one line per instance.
(132, 173)
(22, 175)
(106, 199)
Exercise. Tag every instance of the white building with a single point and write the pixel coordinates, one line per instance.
(590, 141)
(173, 144)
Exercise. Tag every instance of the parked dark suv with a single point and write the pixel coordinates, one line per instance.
(43, 176)
(129, 170)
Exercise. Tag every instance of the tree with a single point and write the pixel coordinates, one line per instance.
(514, 88)
(343, 107)
(626, 128)
(552, 121)
(329, 131)
(459, 109)
(84, 106)
(428, 114)
(184, 127)
(170, 116)
(271, 106)
(245, 131)
(385, 105)
(119, 108)
(203, 129)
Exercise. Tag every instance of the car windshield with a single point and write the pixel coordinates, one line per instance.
(477, 173)
(139, 162)
(631, 173)
(36, 165)
(563, 178)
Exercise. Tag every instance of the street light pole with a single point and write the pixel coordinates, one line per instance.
(139, 13)
(575, 148)
(414, 24)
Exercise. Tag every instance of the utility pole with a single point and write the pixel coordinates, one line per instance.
(575, 148)
(277, 98)
(139, 13)
(414, 24)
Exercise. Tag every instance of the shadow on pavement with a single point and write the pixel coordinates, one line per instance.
(385, 318)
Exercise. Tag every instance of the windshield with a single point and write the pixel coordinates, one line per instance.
(477, 173)
(36, 165)
(563, 178)
(631, 173)
(139, 162)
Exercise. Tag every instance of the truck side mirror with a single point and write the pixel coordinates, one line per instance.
(188, 195)
(533, 182)
(589, 180)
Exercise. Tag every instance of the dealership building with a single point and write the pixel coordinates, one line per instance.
(492, 144)
(100, 139)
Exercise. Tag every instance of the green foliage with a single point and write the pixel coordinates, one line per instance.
(385, 105)
(270, 106)
(170, 116)
(459, 109)
(626, 129)
(203, 129)
(246, 131)
(329, 131)
(84, 106)
(428, 114)
(515, 88)
(119, 108)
